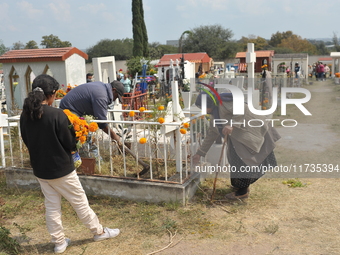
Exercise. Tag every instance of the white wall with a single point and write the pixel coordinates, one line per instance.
(72, 72)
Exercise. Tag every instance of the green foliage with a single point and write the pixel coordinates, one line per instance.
(134, 65)
(53, 41)
(120, 48)
(140, 38)
(259, 42)
(210, 39)
(18, 46)
(8, 244)
(31, 45)
(157, 50)
(3, 48)
(294, 183)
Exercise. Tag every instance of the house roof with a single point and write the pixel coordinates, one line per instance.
(259, 54)
(40, 55)
(291, 55)
(200, 57)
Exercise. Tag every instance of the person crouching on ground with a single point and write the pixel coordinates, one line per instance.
(45, 131)
(247, 145)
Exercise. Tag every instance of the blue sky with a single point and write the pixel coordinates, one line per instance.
(84, 23)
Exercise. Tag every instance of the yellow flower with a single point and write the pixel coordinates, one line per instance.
(186, 125)
(93, 127)
(183, 131)
(161, 120)
(142, 140)
(142, 109)
(160, 108)
(131, 113)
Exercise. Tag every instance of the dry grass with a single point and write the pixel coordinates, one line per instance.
(276, 219)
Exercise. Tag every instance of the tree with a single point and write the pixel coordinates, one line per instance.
(298, 45)
(210, 39)
(277, 38)
(335, 40)
(121, 49)
(53, 41)
(140, 38)
(134, 65)
(259, 42)
(157, 50)
(18, 46)
(31, 45)
(3, 48)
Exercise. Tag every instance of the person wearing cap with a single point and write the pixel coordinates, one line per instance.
(94, 99)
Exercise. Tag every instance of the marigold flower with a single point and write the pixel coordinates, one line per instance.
(82, 139)
(160, 108)
(76, 127)
(142, 109)
(131, 113)
(264, 108)
(183, 131)
(186, 125)
(161, 120)
(142, 140)
(93, 127)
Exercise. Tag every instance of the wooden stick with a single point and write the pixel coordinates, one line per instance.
(219, 163)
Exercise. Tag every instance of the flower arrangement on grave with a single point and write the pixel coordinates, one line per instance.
(186, 85)
(64, 90)
(264, 67)
(337, 75)
(82, 127)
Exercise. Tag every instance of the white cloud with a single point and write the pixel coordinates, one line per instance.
(27, 9)
(61, 10)
(93, 8)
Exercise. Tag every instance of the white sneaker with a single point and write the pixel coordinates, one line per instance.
(60, 248)
(108, 233)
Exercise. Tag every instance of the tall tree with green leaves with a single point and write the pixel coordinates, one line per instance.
(3, 48)
(214, 40)
(140, 37)
(53, 41)
(31, 45)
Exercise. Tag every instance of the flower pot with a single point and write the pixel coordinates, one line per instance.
(87, 166)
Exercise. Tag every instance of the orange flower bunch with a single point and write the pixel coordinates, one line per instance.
(337, 75)
(60, 93)
(81, 127)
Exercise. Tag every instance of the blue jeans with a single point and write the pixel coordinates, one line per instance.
(320, 76)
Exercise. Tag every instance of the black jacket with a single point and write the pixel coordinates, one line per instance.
(50, 141)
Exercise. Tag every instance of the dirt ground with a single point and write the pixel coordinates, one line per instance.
(276, 219)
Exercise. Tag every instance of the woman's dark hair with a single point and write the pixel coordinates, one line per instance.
(43, 87)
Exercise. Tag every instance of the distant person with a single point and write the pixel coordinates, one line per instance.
(89, 77)
(297, 70)
(47, 134)
(326, 71)
(321, 70)
(127, 83)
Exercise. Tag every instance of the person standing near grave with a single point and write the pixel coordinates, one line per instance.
(94, 99)
(127, 83)
(321, 70)
(248, 146)
(326, 71)
(46, 132)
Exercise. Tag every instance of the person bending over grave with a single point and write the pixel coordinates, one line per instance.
(45, 131)
(247, 146)
(94, 99)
